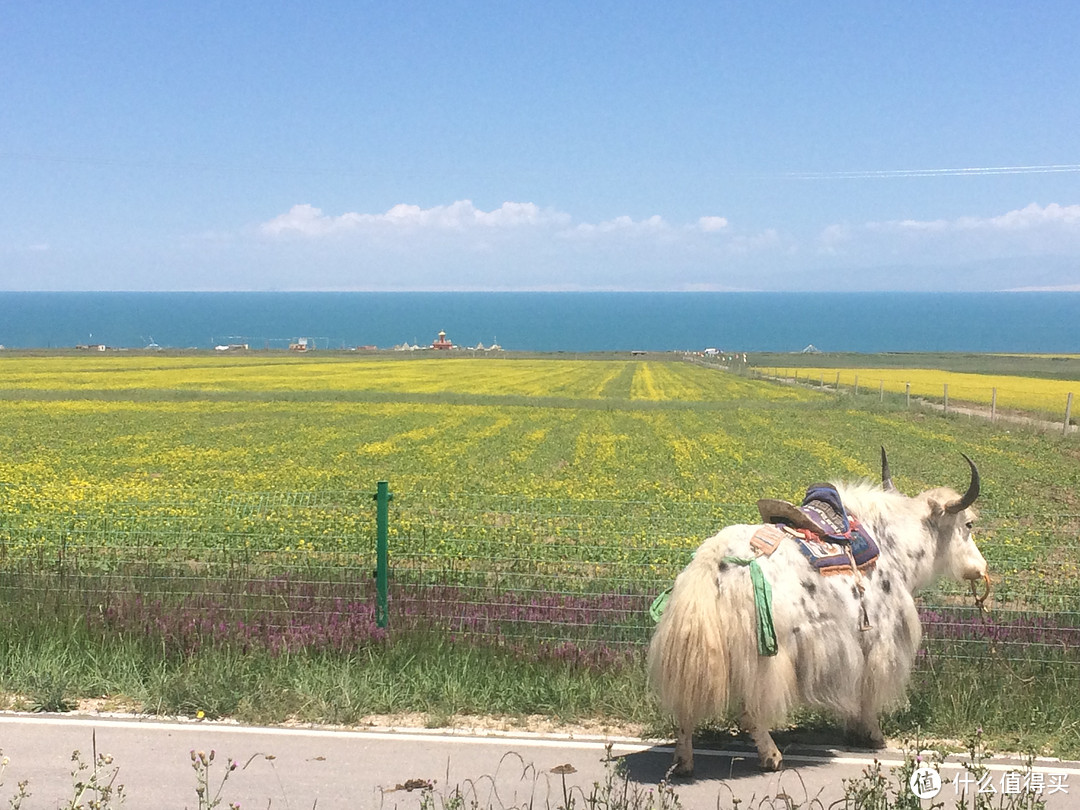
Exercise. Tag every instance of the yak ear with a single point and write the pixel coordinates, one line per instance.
(937, 509)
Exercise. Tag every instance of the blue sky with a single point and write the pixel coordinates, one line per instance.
(501, 145)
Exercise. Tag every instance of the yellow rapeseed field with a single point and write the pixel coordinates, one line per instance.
(1019, 393)
(285, 374)
(129, 422)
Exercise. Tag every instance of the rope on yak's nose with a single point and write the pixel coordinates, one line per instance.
(980, 601)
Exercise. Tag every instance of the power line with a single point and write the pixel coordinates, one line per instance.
(874, 174)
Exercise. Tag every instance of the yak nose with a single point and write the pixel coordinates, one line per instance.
(976, 568)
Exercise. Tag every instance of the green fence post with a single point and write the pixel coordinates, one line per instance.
(382, 496)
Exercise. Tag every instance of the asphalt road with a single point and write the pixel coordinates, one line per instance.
(327, 769)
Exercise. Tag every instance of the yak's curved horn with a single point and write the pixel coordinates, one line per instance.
(971, 494)
(886, 476)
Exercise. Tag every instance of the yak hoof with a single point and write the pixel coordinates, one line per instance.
(772, 762)
(861, 738)
(682, 767)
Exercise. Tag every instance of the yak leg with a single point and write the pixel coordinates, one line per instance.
(684, 751)
(768, 754)
(869, 724)
(865, 730)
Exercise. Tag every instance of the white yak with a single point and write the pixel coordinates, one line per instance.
(704, 660)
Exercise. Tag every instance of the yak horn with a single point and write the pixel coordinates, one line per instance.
(971, 494)
(886, 476)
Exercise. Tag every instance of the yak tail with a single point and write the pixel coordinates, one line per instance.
(690, 653)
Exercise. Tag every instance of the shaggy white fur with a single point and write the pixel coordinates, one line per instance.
(703, 659)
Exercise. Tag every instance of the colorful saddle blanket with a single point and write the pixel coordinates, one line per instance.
(824, 530)
(824, 556)
(830, 557)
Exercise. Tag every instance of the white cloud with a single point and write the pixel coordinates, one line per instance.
(712, 224)
(834, 237)
(768, 240)
(307, 220)
(1034, 216)
(519, 245)
(520, 221)
(1031, 217)
(620, 226)
(911, 226)
(303, 219)
(1034, 230)
(1051, 288)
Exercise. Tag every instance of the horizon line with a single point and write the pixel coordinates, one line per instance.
(1064, 288)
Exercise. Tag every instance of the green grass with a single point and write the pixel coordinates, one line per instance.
(51, 668)
(53, 665)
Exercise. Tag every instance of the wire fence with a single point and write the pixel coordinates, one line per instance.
(574, 578)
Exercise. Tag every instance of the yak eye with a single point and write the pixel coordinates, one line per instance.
(969, 524)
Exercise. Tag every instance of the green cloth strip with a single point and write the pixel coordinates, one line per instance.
(656, 609)
(766, 633)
